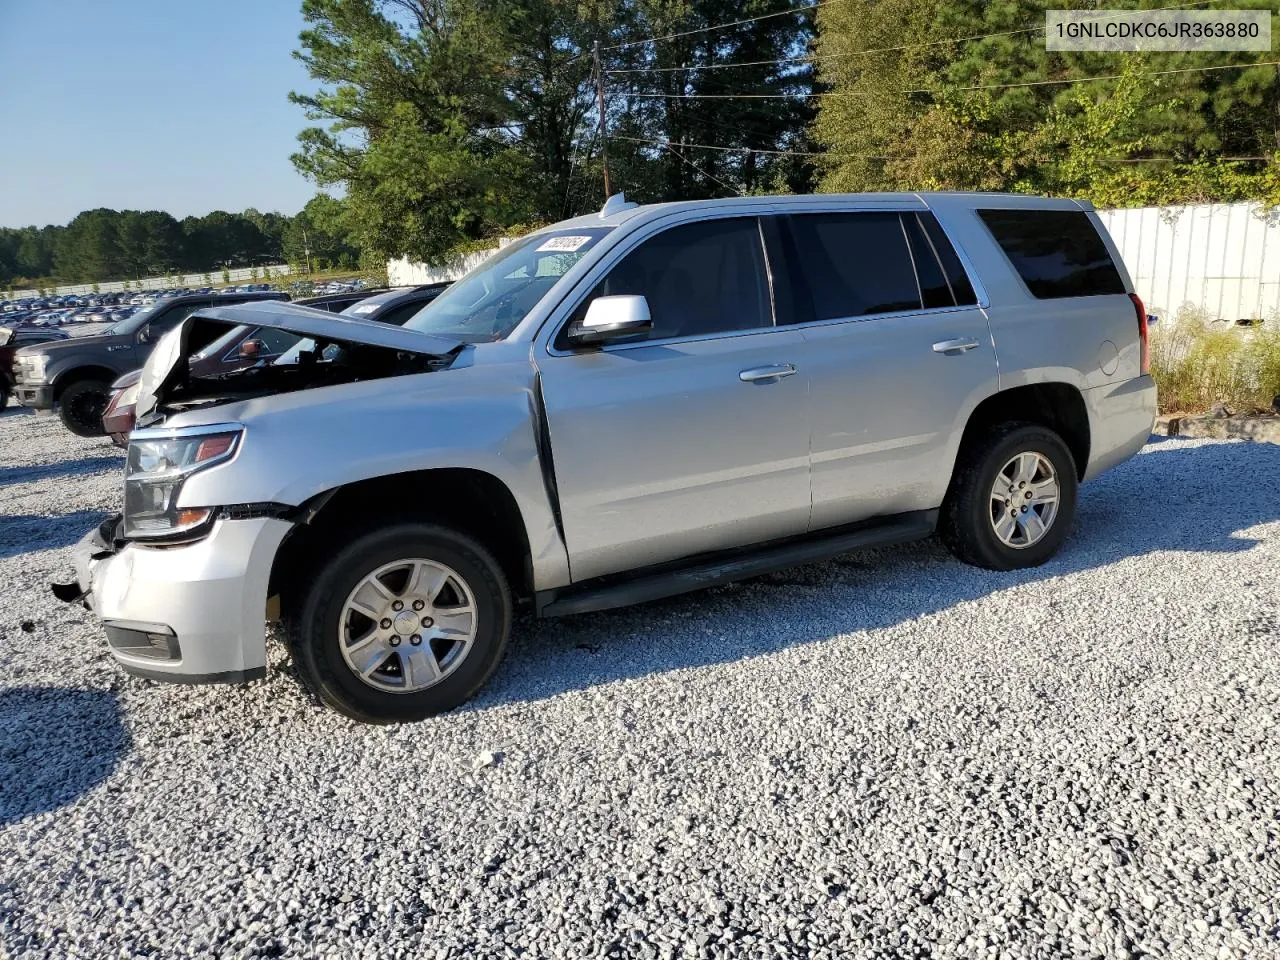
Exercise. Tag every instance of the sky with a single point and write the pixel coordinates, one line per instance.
(148, 105)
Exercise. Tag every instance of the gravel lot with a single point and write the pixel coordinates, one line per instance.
(889, 755)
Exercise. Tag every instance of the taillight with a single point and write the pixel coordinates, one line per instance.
(1143, 336)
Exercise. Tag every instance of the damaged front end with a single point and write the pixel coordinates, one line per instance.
(337, 349)
(180, 581)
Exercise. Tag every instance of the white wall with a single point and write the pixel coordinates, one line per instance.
(1222, 257)
(406, 273)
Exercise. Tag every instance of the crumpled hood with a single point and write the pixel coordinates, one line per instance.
(167, 364)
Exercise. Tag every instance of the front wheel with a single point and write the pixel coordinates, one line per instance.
(82, 405)
(1012, 498)
(403, 623)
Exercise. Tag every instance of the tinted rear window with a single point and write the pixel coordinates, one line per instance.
(1058, 253)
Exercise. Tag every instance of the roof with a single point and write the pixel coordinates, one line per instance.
(802, 201)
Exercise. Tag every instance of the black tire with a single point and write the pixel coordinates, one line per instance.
(4, 394)
(82, 405)
(966, 525)
(313, 622)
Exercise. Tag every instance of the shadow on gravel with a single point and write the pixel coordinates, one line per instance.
(1170, 498)
(56, 744)
(26, 534)
(63, 468)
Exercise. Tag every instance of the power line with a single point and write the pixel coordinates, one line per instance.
(720, 26)
(936, 90)
(697, 169)
(868, 156)
(779, 153)
(859, 53)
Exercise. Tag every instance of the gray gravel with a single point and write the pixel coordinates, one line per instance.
(890, 755)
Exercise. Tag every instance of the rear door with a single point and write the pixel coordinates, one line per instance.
(695, 438)
(897, 352)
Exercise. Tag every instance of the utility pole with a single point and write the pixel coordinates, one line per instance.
(604, 137)
(306, 247)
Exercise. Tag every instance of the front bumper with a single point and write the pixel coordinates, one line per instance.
(39, 396)
(187, 613)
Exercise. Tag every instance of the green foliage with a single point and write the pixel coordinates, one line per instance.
(1197, 364)
(448, 124)
(1137, 139)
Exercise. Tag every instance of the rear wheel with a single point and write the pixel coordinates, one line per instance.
(1012, 498)
(82, 405)
(4, 393)
(403, 623)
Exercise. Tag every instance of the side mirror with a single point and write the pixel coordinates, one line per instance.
(1152, 318)
(144, 335)
(250, 348)
(612, 318)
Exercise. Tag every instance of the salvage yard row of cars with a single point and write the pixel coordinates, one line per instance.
(84, 376)
(620, 407)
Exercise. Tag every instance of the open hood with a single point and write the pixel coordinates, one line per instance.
(167, 366)
(311, 322)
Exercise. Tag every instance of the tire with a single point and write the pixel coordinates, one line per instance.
(324, 624)
(4, 394)
(970, 514)
(82, 405)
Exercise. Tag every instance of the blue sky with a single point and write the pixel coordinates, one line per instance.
(150, 105)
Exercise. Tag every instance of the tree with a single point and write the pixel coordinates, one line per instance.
(915, 108)
(411, 93)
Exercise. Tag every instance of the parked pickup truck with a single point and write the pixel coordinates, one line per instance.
(617, 408)
(75, 375)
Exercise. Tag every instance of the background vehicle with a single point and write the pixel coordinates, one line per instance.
(11, 338)
(245, 346)
(75, 376)
(621, 407)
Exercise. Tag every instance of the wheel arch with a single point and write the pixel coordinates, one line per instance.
(75, 374)
(469, 500)
(1058, 406)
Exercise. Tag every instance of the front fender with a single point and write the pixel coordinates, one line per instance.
(302, 444)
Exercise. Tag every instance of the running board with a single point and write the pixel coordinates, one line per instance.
(698, 573)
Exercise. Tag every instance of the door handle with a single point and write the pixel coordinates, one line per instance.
(955, 347)
(768, 374)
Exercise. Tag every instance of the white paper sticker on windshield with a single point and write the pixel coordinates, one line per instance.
(563, 244)
(365, 308)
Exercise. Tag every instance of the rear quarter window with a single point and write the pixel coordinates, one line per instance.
(1057, 253)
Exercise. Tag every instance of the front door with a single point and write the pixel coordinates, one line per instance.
(695, 438)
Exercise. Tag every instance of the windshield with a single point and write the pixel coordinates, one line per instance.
(134, 323)
(490, 301)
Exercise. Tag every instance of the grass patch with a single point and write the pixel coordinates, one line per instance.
(1197, 364)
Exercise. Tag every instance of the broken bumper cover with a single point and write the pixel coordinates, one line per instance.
(186, 613)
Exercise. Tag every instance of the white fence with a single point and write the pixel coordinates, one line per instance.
(1221, 257)
(271, 271)
(407, 273)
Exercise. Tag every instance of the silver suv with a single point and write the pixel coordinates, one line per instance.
(617, 408)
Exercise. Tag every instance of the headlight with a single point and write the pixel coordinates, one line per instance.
(156, 469)
(128, 396)
(33, 367)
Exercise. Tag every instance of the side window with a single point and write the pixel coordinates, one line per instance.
(275, 341)
(935, 289)
(947, 256)
(396, 316)
(700, 278)
(854, 264)
(1058, 253)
